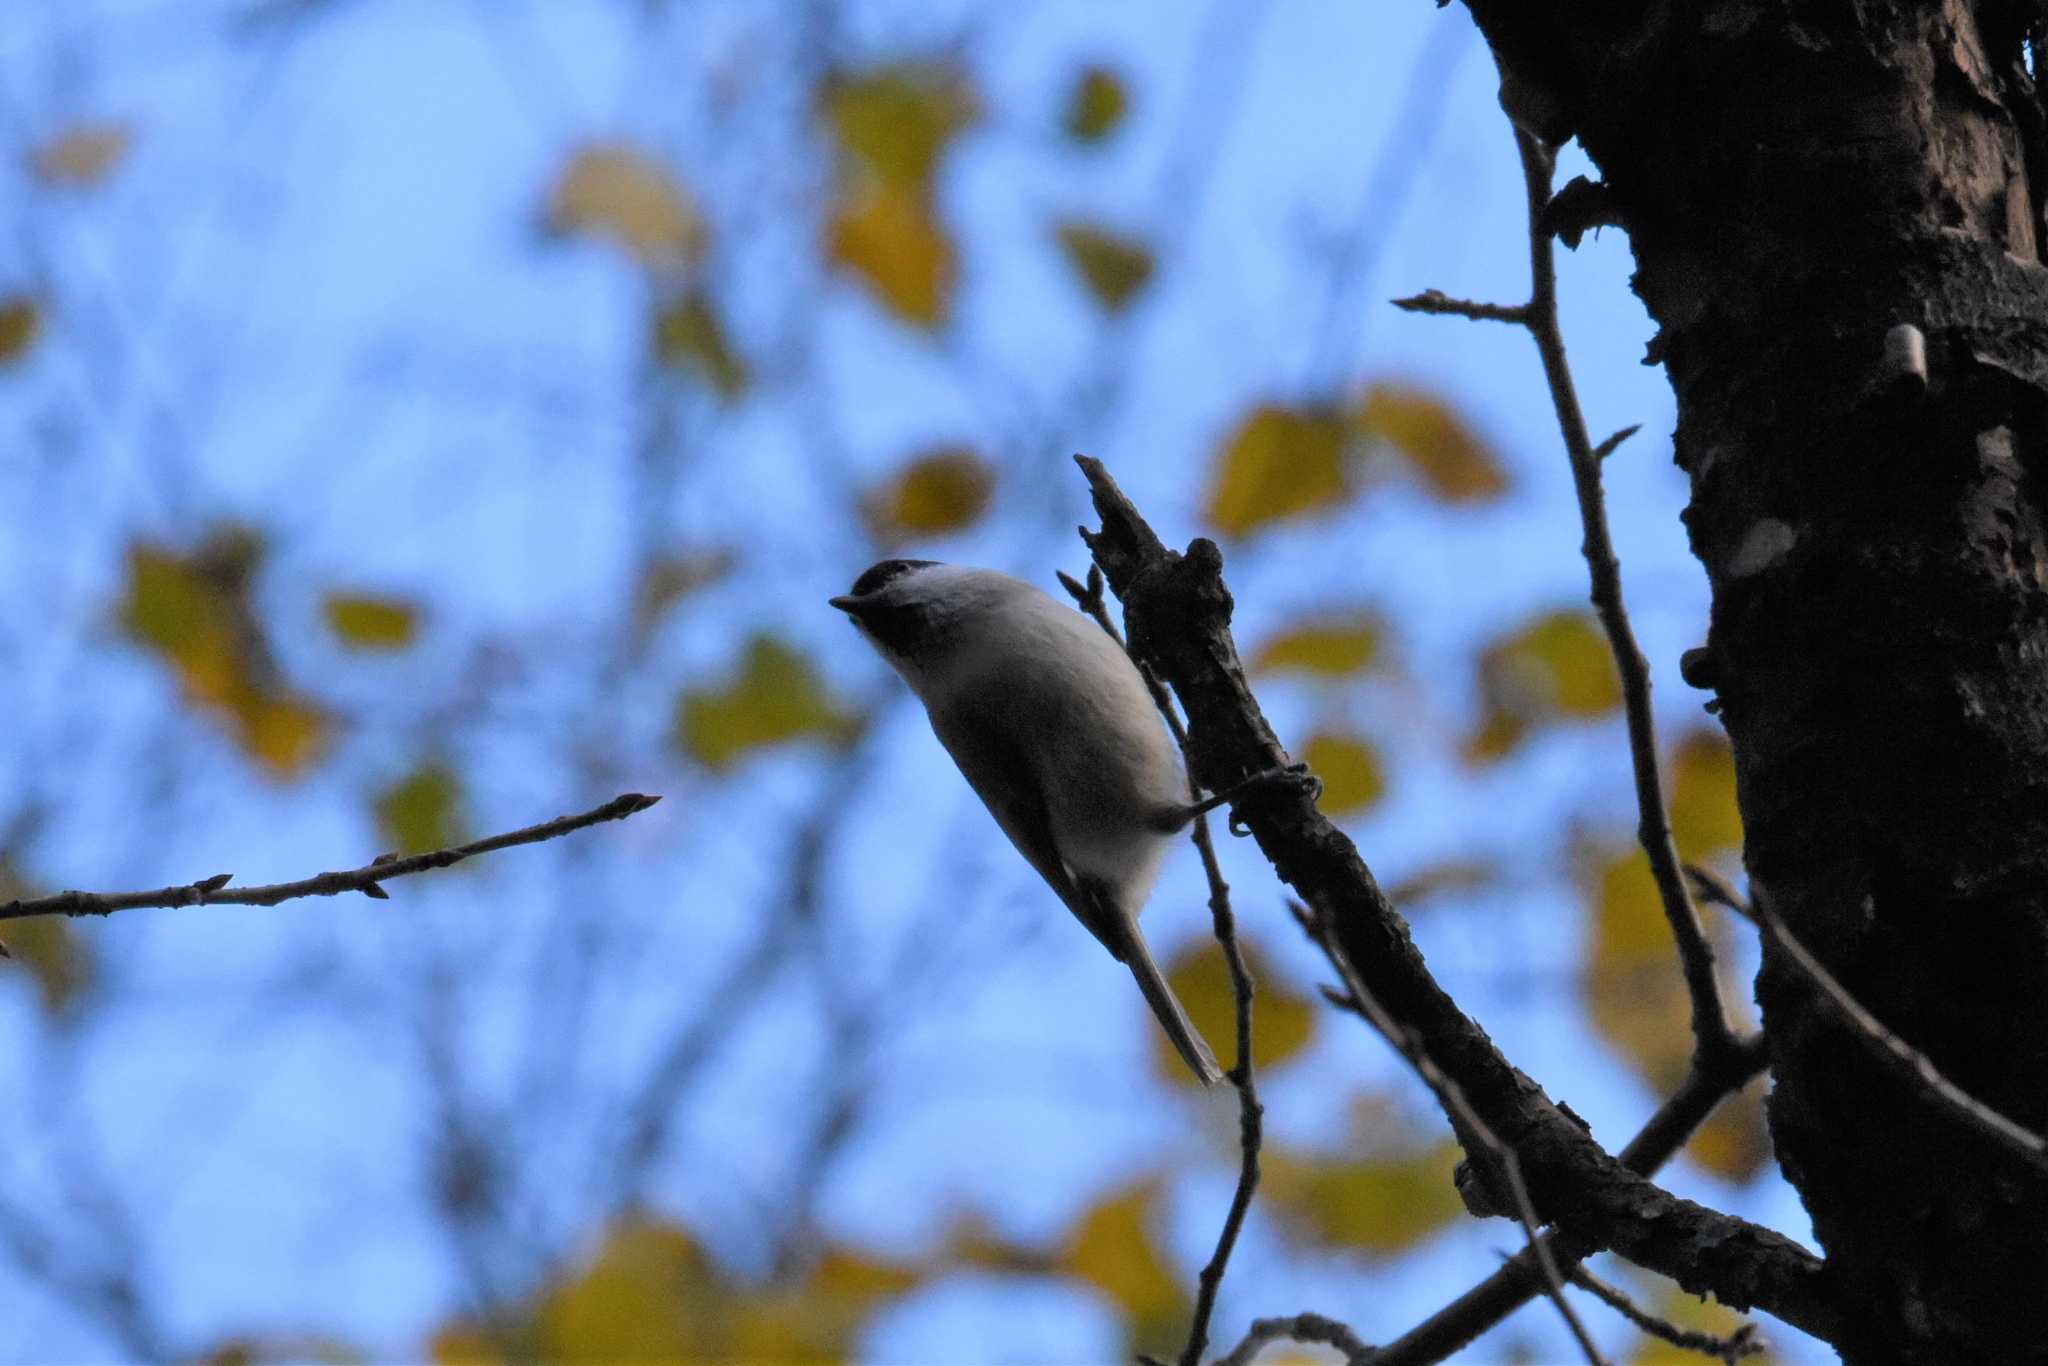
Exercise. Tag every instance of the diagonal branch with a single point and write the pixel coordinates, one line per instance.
(368, 879)
(1493, 1154)
(1901, 1057)
(1520, 1279)
(1178, 611)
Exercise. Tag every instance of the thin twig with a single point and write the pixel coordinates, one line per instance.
(1521, 1278)
(1710, 1028)
(214, 891)
(1730, 1349)
(1916, 1067)
(1299, 1328)
(1452, 1098)
(1711, 887)
(1711, 1032)
(1251, 1114)
(1437, 302)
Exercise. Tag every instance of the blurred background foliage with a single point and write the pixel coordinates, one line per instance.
(426, 418)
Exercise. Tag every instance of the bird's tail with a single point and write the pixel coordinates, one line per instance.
(1172, 1018)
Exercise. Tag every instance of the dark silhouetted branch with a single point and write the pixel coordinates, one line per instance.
(1177, 610)
(368, 879)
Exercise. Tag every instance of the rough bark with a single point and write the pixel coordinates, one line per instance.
(1798, 180)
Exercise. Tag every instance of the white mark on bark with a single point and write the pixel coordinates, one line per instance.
(1768, 542)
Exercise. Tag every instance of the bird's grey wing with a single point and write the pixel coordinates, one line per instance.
(1004, 774)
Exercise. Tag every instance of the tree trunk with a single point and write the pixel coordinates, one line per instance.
(1798, 181)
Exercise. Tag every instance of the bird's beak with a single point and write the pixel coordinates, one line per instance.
(848, 605)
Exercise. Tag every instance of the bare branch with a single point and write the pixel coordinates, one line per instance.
(1520, 1279)
(1483, 1144)
(1299, 1328)
(213, 891)
(1711, 1032)
(1916, 1067)
(1731, 1349)
(1437, 302)
(1710, 887)
(1178, 610)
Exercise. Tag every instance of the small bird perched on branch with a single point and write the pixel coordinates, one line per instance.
(1055, 730)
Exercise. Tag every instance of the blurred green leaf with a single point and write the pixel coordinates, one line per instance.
(775, 698)
(940, 491)
(21, 322)
(1333, 647)
(1112, 1248)
(1555, 667)
(1284, 1020)
(1096, 105)
(1278, 462)
(194, 611)
(1381, 1205)
(688, 336)
(51, 952)
(1112, 267)
(1704, 818)
(421, 811)
(364, 622)
(1352, 776)
(895, 122)
(891, 239)
(1440, 446)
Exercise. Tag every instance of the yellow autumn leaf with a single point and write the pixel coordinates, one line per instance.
(1112, 267)
(194, 611)
(1283, 1020)
(1350, 771)
(895, 122)
(1381, 1205)
(971, 1241)
(776, 697)
(618, 193)
(937, 492)
(890, 238)
(819, 1316)
(1096, 105)
(421, 811)
(1553, 668)
(1452, 460)
(1277, 462)
(1704, 818)
(364, 622)
(283, 732)
(1632, 987)
(1735, 1142)
(82, 156)
(21, 322)
(1111, 1247)
(52, 954)
(688, 336)
(649, 1294)
(1333, 647)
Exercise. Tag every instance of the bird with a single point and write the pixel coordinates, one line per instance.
(1056, 731)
